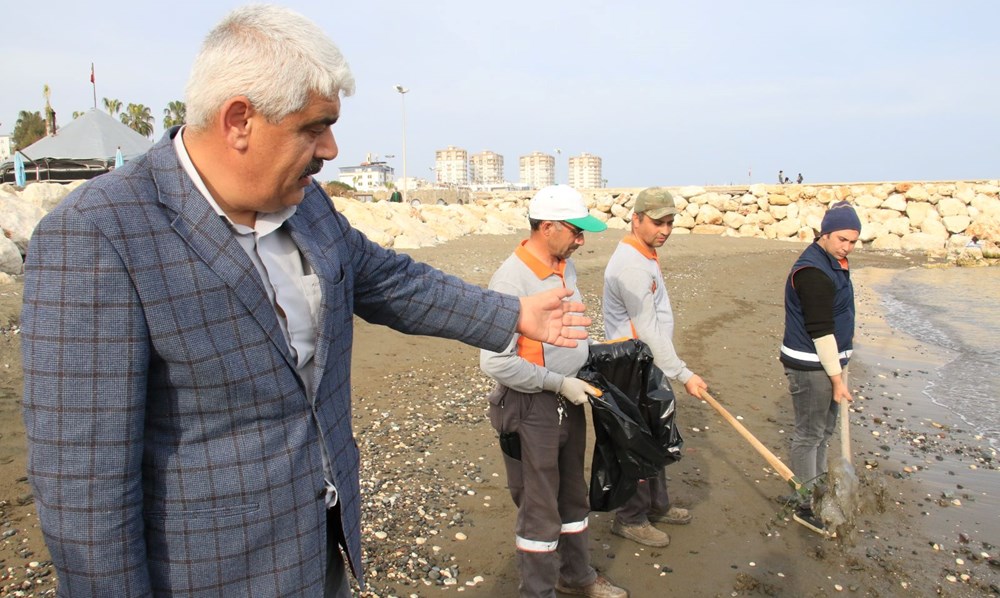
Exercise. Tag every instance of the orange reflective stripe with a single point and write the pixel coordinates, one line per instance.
(530, 350)
(632, 328)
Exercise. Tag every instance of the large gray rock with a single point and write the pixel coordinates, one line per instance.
(10, 257)
(956, 224)
(895, 202)
(888, 242)
(949, 206)
(917, 212)
(18, 219)
(45, 195)
(922, 242)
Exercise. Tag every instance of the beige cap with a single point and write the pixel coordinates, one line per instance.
(655, 202)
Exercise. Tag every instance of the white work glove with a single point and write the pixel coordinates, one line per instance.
(575, 390)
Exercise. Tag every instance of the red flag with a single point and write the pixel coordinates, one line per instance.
(91, 72)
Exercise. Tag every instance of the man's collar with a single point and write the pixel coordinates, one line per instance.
(646, 251)
(264, 224)
(537, 267)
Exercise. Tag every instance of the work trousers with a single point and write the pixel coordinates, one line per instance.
(548, 487)
(815, 421)
(650, 497)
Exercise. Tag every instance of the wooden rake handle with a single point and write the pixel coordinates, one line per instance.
(782, 469)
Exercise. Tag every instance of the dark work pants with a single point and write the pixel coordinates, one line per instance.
(548, 487)
(650, 497)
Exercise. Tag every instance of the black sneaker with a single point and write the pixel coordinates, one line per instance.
(806, 517)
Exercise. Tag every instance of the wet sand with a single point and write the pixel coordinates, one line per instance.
(432, 469)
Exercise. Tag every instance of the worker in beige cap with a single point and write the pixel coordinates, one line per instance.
(636, 305)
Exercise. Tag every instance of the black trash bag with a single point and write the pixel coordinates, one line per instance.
(634, 427)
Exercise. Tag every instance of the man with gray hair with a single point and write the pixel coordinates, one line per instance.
(187, 330)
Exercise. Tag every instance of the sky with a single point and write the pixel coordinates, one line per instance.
(665, 92)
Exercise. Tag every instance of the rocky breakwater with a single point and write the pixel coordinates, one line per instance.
(935, 218)
(939, 218)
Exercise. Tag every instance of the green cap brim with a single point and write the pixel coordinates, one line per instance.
(588, 223)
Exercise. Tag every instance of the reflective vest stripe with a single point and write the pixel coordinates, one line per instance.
(811, 357)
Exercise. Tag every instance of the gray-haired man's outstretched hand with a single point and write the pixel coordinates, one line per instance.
(547, 318)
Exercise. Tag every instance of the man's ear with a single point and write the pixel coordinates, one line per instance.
(236, 118)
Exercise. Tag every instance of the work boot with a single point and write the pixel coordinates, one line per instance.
(601, 588)
(673, 516)
(643, 533)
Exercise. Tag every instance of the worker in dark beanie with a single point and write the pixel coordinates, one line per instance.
(817, 345)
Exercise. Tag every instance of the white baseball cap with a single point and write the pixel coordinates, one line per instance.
(563, 203)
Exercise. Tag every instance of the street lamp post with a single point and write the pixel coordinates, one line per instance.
(402, 102)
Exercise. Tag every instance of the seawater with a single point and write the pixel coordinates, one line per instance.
(957, 311)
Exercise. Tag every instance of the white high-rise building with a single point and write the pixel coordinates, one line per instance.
(585, 172)
(537, 170)
(486, 168)
(451, 166)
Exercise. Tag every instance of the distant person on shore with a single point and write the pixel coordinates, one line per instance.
(636, 305)
(187, 332)
(799, 179)
(817, 344)
(537, 409)
(781, 177)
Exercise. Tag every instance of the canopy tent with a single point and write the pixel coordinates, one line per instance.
(82, 149)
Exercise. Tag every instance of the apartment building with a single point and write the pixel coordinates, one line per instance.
(585, 172)
(451, 166)
(486, 168)
(537, 170)
(370, 175)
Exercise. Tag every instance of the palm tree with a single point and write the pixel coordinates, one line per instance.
(139, 119)
(174, 114)
(112, 106)
(50, 114)
(30, 127)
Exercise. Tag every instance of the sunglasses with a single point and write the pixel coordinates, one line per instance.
(577, 231)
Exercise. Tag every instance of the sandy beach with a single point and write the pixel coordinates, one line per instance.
(439, 520)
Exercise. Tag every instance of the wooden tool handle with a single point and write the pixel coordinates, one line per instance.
(845, 431)
(782, 469)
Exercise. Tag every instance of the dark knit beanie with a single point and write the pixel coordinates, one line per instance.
(840, 216)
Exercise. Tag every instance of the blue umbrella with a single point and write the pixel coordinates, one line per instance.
(19, 177)
(119, 159)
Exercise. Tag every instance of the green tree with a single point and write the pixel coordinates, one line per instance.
(77, 113)
(112, 106)
(138, 118)
(30, 127)
(174, 114)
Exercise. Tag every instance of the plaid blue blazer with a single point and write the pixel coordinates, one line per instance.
(172, 448)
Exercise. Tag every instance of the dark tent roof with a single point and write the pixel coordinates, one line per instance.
(83, 148)
(94, 134)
